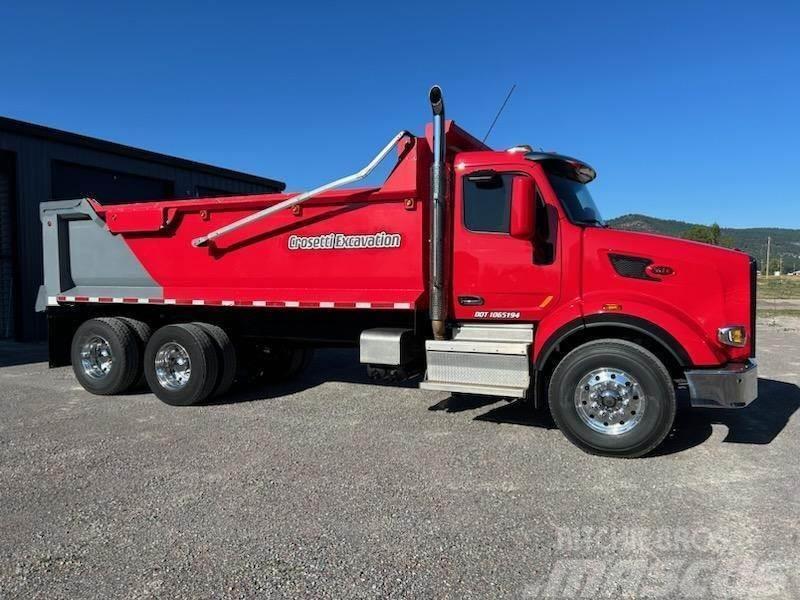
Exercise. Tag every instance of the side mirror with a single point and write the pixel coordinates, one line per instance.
(523, 208)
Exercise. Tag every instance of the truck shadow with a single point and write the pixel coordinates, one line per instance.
(514, 412)
(760, 423)
(329, 364)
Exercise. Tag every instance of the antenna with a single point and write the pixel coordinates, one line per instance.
(497, 116)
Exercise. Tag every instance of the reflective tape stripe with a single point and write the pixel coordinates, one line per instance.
(55, 300)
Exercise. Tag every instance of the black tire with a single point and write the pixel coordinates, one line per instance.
(286, 362)
(226, 356)
(124, 354)
(656, 414)
(203, 361)
(143, 333)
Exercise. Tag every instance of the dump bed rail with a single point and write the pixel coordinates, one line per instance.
(300, 198)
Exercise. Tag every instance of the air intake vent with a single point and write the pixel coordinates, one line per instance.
(633, 267)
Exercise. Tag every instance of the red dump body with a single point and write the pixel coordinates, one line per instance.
(329, 251)
(271, 261)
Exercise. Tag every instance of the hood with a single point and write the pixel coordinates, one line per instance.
(704, 286)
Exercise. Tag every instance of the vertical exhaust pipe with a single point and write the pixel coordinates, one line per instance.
(438, 309)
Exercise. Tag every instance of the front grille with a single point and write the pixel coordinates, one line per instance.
(633, 267)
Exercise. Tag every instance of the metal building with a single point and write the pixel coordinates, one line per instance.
(39, 164)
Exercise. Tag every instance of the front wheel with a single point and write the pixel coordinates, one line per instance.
(612, 397)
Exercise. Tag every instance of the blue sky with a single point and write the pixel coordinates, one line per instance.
(688, 110)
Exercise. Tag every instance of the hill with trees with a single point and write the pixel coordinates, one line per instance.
(785, 242)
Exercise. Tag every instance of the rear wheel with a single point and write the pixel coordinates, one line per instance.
(226, 356)
(181, 364)
(105, 356)
(612, 397)
(143, 332)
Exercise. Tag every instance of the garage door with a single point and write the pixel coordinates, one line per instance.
(6, 308)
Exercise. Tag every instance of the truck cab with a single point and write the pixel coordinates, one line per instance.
(610, 319)
(529, 245)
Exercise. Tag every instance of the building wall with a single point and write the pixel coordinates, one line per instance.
(7, 169)
(34, 157)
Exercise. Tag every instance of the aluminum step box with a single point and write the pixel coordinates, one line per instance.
(488, 360)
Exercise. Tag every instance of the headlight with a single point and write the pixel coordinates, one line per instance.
(734, 335)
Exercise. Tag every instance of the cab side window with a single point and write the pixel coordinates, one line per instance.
(487, 202)
(544, 248)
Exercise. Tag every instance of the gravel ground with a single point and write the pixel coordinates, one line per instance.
(333, 487)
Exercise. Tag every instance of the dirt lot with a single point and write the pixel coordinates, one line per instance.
(333, 487)
(779, 287)
(779, 300)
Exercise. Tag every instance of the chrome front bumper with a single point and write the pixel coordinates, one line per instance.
(734, 385)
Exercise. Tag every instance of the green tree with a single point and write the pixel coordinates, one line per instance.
(698, 233)
(716, 234)
(709, 235)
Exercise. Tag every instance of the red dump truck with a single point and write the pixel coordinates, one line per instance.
(482, 271)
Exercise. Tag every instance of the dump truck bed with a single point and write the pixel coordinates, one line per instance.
(346, 250)
(356, 248)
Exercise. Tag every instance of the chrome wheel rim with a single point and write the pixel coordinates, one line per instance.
(173, 366)
(96, 357)
(610, 401)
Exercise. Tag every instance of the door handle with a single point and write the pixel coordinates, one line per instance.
(470, 301)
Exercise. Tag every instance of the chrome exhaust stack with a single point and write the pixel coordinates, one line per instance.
(438, 308)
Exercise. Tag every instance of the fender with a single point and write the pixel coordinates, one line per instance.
(625, 321)
(563, 321)
(697, 338)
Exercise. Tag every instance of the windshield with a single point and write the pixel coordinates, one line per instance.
(577, 200)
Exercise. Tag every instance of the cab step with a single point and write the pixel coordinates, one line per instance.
(492, 360)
